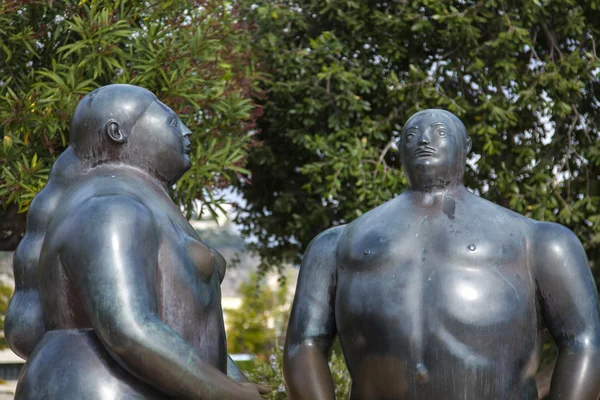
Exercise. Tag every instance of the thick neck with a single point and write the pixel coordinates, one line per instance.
(121, 167)
(435, 196)
(427, 179)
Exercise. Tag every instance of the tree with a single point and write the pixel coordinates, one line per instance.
(5, 294)
(346, 74)
(261, 320)
(193, 54)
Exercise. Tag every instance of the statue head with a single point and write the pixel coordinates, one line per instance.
(434, 145)
(128, 124)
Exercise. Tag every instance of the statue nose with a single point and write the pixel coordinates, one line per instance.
(424, 138)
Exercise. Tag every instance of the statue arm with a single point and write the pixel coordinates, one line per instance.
(311, 329)
(24, 322)
(111, 258)
(234, 372)
(569, 305)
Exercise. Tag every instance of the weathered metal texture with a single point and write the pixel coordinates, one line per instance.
(117, 297)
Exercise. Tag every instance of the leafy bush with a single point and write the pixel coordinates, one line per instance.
(270, 374)
(5, 294)
(347, 74)
(261, 320)
(194, 55)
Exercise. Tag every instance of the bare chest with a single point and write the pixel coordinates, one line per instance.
(188, 283)
(189, 294)
(434, 280)
(186, 268)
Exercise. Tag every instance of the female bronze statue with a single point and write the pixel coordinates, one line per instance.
(129, 294)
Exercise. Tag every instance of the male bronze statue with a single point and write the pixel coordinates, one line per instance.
(129, 294)
(440, 294)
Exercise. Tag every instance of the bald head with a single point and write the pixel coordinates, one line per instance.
(129, 124)
(90, 125)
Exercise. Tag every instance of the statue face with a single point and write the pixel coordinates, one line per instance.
(431, 143)
(165, 139)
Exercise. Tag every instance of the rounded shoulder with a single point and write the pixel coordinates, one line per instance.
(555, 247)
(120, 208)
(84, 207)
(552, 236)
(115, 220)
(486, 207)
(327, 238)
(108, 187)
(67, 168)
(66, 171)
(559, 262)
(381, 211)
(320, 254)
(325, 244)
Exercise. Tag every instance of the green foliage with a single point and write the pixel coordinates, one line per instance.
(258, 324)
(258, 328)
(5, 295)
(345, 75)
(194, 55)
(270, 374)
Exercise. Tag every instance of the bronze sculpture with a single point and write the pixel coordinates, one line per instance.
(24, 324)
(128, 293)
(440, 294)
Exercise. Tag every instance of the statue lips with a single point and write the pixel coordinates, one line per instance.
(187, 147)
(424, 151)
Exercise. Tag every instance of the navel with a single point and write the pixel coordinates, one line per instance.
(422, 374)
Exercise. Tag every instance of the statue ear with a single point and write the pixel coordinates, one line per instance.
(468, 145)
(114, 133)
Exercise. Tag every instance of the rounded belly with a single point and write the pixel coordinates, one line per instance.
(447, 332)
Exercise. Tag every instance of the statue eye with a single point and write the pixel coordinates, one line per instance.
(175, 123)
(441, 131)
(410, 135)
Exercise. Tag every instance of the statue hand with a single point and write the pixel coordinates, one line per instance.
(254, 390)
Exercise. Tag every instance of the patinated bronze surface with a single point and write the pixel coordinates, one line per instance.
(117, 297)
(440, 294)
(24, 324)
